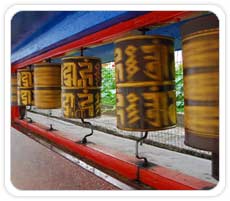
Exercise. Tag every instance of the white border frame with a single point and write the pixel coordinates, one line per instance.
(213, 8)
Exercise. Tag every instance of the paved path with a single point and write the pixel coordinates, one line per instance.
(34, 167)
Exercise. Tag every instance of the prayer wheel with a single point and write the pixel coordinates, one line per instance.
(81, 87)
(201, 82)
(25, 86)
(47, 85)
(14, 99)
(201, 86)
(145, 83)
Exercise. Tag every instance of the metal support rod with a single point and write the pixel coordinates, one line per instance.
(22, 111)
(143, 30)
(82, 49)
(84, 140)
(141, 142)
(51, 126)
(145, 163)
(28, 119)
(48, 60)
(215, 165)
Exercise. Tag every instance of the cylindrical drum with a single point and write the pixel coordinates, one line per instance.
(25, 86)
(145, 83)
(14, 99)
(81, 82)
(47, 85)
(201, 82)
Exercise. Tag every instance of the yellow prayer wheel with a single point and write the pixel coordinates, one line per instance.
(25, 84)
(14, 99)
(201, 82)
(47, 85)
(145, 83)
(81, 87)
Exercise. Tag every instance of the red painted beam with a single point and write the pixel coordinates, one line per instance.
(14, 112)
(157, 177)
(110, 33)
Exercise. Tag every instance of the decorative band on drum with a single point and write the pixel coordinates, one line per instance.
(200, 103)
(25, 88)
(38, 65)
(143, 37)
(47, 88)
(76, 88)
(196, 70)
(201, 142)
(200, 134)
(145, 83)
(203, 33)
(157, 89)
(146, 129)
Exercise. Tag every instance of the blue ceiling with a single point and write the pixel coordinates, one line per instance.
(35, 32)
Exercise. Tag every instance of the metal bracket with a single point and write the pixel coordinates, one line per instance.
(143, 30)
(30, 108)
(82, 50)
(48, 60)
(84, 139)
(51, 126)
(30, 120)
(145, 163)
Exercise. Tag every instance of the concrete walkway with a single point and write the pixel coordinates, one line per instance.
(34, 167)
(194, 166)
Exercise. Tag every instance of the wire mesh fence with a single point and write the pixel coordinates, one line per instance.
(171, 139)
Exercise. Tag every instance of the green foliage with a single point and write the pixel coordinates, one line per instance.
(108, 92)
(109, 88)
(179, 89)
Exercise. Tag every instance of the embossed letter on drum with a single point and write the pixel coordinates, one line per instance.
(25, 87)
(145, 83)
(14, 99)
(81, 82)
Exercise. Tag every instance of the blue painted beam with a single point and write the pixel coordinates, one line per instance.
(71, 26)
(26, 26)
(106, 52)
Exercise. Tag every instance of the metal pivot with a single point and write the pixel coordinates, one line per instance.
(51, 126)
(143, 30)
(28, 119)
(145, 163)
(82, 50)
(84, 140)
(29, 109)
(48, 60)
